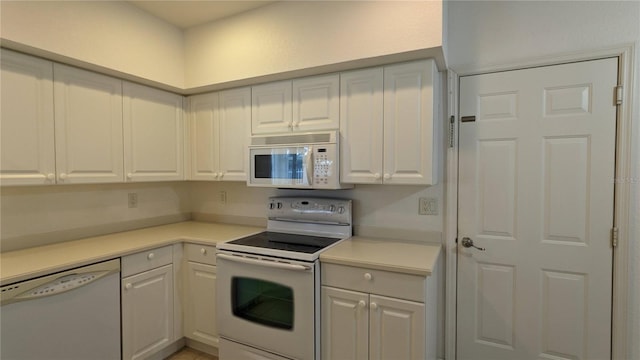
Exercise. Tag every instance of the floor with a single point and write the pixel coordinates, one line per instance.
(191, 354)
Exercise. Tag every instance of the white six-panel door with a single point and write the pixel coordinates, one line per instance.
(536, 191)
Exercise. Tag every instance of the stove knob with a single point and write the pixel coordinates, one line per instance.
(341, 210)
(271, 206)
(279, 205)
(332, 208)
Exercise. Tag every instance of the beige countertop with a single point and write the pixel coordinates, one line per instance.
(28, 263)
(391, 255)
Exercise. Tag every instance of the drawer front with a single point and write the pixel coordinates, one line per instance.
(205, 254)
(372, 281)
(146, 260)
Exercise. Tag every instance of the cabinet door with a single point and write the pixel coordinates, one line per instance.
(345, 321)
(203, 111)
(200, 303)
(396, 329)
(147, 312)
(235, 124)
(316, 103)
(26, 120)
(153, 134)
(409, 136)
(361, 110)
(271, 108)
(88, 117)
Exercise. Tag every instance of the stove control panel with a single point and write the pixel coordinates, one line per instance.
(307, 209)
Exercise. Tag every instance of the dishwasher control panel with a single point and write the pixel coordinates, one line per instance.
(57, 283)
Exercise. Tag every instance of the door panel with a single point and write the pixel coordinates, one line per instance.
(536, 190)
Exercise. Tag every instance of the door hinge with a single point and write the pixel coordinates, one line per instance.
(451, 131)
(614, 237)
(619, 94)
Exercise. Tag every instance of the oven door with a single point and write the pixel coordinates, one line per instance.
(289, 167)
(268, 304)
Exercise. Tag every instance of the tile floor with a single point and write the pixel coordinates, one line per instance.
(191, 354)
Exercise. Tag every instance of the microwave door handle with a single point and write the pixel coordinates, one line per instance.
(308, 161)
(271, 264)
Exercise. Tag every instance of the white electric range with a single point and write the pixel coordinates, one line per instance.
(268, 295)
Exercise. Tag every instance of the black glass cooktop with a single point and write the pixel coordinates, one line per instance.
(289, 242)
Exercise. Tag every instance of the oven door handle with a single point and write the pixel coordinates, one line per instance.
(271, 264)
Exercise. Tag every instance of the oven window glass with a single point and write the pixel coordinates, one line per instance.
(262, 302)
(279, 166)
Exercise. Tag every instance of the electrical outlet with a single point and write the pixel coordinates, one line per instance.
(223, 197)
(132, 200)
(428, 206)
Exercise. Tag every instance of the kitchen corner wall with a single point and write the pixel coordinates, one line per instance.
(113, 37)
(39, 215)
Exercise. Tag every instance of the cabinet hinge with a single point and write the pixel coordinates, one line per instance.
(451, 131)
(614, 237)
(619, 94)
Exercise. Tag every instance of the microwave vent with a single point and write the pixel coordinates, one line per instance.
(308, 138)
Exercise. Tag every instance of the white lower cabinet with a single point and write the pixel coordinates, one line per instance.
(147, 303)
(200, 294)
(366, 314)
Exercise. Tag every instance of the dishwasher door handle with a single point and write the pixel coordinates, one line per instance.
(265, 263)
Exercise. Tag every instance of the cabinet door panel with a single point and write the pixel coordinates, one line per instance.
(204, 136)
(361, 109)
(153, 134)
(147, 312)
(27, 126)
(88, 117)
(271, 108)
(396, 329)
(316, 103)
(409, 125)
(235, 123)
(200, 303)
(345, 320)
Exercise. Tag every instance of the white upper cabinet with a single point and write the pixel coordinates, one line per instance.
(88, 126)
(410, 121)
(271, 108)
(389, 124)
(316, 103)
(219, 126)
(26, 120)
(235, 123)
(153, 134)
(361, 126)
(306, 104)
(204, 130)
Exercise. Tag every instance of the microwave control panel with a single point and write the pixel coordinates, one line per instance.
(322, 166)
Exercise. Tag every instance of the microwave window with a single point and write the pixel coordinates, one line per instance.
(262, 302)
(279, 166)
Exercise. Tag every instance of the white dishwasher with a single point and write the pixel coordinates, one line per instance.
(74, 314)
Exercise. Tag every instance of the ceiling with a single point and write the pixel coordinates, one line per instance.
(185, 14)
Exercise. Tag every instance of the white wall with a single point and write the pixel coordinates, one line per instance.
(489, 35)
(100, 35)
(293, 35)
(37, 215)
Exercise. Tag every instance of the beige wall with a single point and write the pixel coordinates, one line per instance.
(37, 215)
(100, 35)
(293, 35)
(290, 38)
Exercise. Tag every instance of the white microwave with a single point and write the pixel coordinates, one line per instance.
(295, 161)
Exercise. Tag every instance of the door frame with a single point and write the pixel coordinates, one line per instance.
(622, 189)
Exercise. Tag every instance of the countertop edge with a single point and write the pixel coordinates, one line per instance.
(376, 265)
